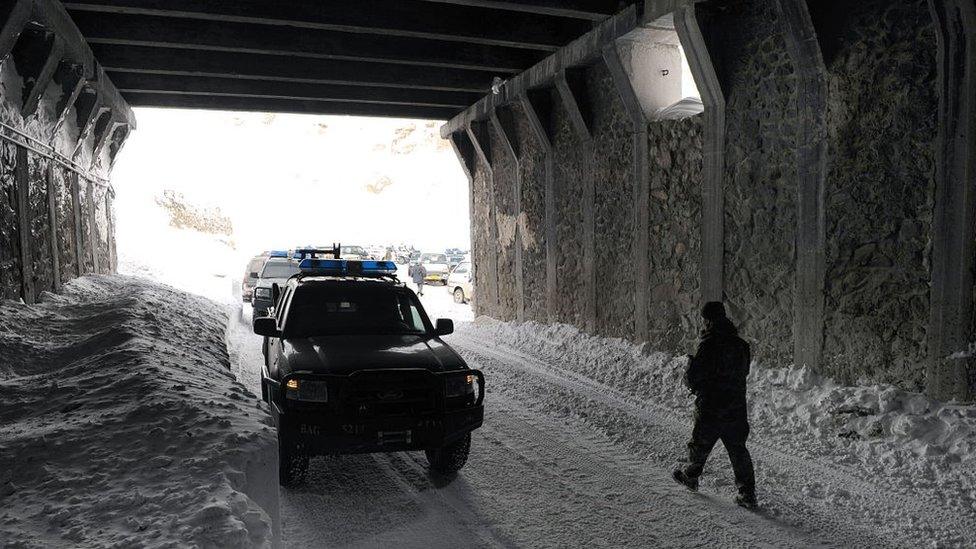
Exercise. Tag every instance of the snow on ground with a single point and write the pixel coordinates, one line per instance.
(121, 424)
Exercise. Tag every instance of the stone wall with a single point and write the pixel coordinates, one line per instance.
(613, 205)
(505, 174)
(675, 175)
(532, 218)
(864, 174)
(759, 189)
(482, 243)
(65, 216)
(572, 162)
(10, 267)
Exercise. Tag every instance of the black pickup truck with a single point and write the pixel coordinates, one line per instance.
(354, 365)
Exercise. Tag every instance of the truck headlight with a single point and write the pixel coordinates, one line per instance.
(306, 390)
(262, 292)
(460, 385)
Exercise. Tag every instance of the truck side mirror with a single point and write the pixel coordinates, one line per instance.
(266, 326)
(445, 326)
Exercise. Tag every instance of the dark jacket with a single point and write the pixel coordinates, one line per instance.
(419, 273)
(717, 373)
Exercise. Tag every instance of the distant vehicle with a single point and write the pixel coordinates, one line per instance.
(454, 259)
(354, 252)
(436, 265)
(277, 270)
(354, 365)
(461, 282)
(251, 274)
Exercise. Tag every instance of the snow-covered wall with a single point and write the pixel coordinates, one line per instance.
(828, 251)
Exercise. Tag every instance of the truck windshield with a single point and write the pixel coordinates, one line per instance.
(279, 270)
(330, 310)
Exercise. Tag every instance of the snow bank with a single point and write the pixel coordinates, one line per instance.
(121, 425)
(901, 439)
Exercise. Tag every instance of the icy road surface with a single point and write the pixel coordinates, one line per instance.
(566, 461)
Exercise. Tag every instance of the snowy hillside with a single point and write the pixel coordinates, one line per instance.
(122, 425)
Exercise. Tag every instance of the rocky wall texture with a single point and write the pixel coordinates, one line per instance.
(572, 162)
(482, 241)
(64, 208)
(879, 196)
(532, 219)
(505, 174)
(675, 209)
(40, 235)
(759, 188)
(85, 192)
(102, 246)
(613, 205)
(10, 268)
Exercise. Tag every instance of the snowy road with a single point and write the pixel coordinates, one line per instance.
(565, 461)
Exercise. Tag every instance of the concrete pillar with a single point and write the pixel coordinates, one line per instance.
(811, 140)
(538, 109)
(713, 145)
(635, 111)
(77, 213)
(92, 228)
(478, 134)
(22, 177)
(501, 120)
(571, 97)
(951, 302)
(52, 216)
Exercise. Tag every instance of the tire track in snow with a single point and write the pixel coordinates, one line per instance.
(897, 509)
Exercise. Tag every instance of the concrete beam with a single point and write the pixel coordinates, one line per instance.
(87, 115)
(152, 60)
(123, 31)
(104, 128)
(537, 107)
(73, 82)
(502, 121)
(44, 77)
(590, 10)
(170, 84)
(15, 16)
(301, 106)
(713, 144)
(573, 97)
(642, 190)
(478, 134)
(409, 18)
(119, 137)
(583, 51)
(811, 140)
(953, 258)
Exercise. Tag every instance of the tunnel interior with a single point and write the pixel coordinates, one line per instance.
(810, 163)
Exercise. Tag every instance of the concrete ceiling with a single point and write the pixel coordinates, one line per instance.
(407, 58)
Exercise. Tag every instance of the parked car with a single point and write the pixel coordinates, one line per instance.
(461, 282)
(354, 365)
(436, 265)
(354, 252)
(277, 270)
(251, 274)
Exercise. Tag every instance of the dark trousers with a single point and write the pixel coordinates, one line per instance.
(733, 430)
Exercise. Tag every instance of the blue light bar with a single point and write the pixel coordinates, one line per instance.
(278, 253)
(346, 267)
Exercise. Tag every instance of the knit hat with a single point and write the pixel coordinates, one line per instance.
(713, 310)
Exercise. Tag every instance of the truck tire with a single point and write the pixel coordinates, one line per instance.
(450, 458)
(292, 460)
(458, 295)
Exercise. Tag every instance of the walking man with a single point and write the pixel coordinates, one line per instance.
(716, 375)
(419, 274)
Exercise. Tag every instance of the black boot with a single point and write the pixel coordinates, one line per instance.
(680, 477)
(747, 499)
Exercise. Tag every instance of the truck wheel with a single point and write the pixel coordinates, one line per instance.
(292, 460)
(458, 295)
(449, 459)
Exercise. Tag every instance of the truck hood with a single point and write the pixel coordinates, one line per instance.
(345, 354)
(435, 267)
